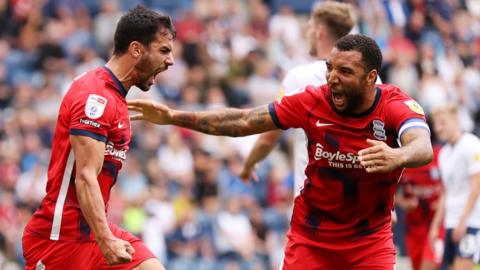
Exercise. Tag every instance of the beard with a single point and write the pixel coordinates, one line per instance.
(354, 96)
(354, 99)
(144, 87)
(145, 71)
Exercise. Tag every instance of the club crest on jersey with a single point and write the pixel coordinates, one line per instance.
(414, 106)
(95, 106)
(379, 130)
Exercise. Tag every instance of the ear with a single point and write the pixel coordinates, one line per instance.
(135, 49)
(320, 31)
(372, 76)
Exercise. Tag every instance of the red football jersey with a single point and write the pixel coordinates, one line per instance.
(425, 184)
(94, 106)
(340, 200)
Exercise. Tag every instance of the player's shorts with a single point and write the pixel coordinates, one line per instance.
(46, 254)
(420, 248)
(370, 252)
(469, 246)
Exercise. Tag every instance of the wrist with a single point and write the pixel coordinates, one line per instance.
(462, 221)
(248, 165)
(402, 159)
(171, 116)
(106, 236)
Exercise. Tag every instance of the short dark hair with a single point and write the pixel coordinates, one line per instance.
(371, 53)
(140, 24)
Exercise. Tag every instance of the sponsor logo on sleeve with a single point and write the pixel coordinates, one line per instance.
(476, 157)
(89, 122)
(414, 106)
(95, 106)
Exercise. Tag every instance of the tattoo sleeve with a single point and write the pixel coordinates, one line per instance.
(227, 122)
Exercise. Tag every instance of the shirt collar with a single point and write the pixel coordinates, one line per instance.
(120, 88)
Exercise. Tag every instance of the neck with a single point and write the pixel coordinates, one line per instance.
(369, 99)
(123, 69)
(455, 136)
(323, 49)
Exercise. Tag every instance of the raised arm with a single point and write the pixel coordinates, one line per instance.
(227, 122)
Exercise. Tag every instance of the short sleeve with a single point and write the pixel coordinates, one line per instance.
(290, 111)
(92, 114)
(405, 113)
(473, 155)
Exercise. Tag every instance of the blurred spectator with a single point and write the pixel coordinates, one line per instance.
(176, 161)
(234, 238)
(160, 221)
(104, 24)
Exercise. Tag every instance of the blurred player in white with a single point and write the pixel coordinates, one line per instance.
(328, 22)
(459, 162)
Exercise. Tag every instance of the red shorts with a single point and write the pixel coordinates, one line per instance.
(420, 249)
(78, 255)
(370, 252)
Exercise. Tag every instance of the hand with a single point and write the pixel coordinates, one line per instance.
(150, 111)
(248, 173)
(379, 158)
(459, 232)
(433, 234)
(116, 251)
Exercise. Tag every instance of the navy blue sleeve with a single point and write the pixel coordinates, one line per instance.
(82, 132)
(273, 114)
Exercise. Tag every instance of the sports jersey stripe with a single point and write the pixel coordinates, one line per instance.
(87, 133)
(120, 88)
(412, 123)
(273, 114)
(62, 195)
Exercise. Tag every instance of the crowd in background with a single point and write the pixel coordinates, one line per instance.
(179, 189)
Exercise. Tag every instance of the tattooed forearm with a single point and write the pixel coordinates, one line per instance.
(185, 119)
(257, 116)
(228, 122)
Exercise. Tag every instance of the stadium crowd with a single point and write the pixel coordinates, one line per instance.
(179, 190)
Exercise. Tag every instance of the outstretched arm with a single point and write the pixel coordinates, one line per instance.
(228, 122)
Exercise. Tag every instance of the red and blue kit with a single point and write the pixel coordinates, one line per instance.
(95, 107)
(424, 184)
(343, 209)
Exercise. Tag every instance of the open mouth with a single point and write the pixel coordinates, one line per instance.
(151, 80)
(338, 99)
